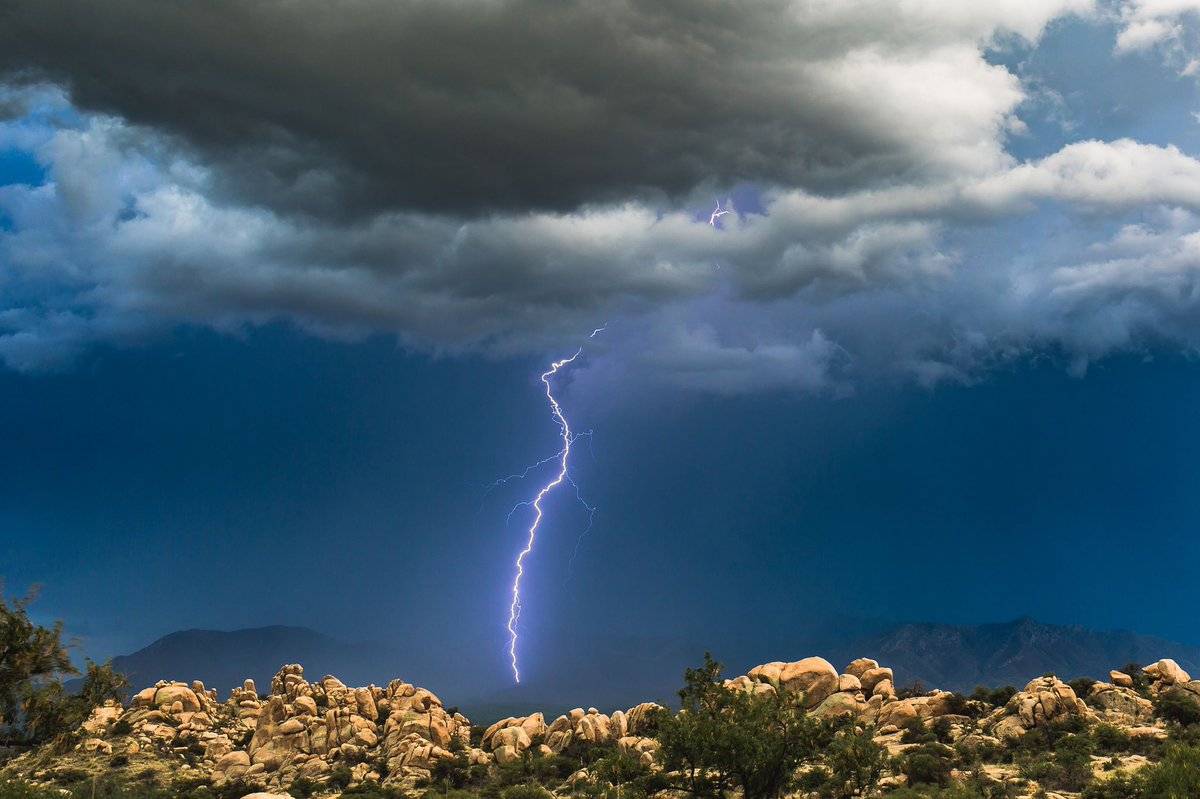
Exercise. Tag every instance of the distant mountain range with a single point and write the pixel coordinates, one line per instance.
(224, 659)
(610, 673)
(960, 657)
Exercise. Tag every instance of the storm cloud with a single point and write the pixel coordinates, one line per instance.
(499, 176)
(472, 106)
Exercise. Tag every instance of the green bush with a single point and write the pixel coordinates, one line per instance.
(1141, 680)
(16, 789)
(996, 697)
(1082, 686)
(854, 762)
(725, 740)
(929, 764)
(1179, 706)
(1110, 738)
(1067, 768)
(1176, 776)
(526, 791)
(915, 732)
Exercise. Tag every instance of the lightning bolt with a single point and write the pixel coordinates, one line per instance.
(563, 458)
(717, 213)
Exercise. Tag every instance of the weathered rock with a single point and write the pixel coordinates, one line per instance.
(171, 693)
(1119, 704)
(1044, 700)
(872, 677)
(809, 681)
(900, 712)
(1167, 672)
(96, 746)
(884, 690)
(101, 718)
(841, 704)
(1120, 679)
(858, 668)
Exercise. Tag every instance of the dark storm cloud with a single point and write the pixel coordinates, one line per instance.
(428, 139)
(471, 105)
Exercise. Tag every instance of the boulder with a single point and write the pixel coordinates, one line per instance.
(900, 712)
(171, 693)
(809, 681)
(1045, 700)
(840, 704)
(1167, 672)
(872, 677)
(1120, 704)
(858, 668)
(1120, 679)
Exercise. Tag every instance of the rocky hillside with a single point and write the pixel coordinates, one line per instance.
(324, 736)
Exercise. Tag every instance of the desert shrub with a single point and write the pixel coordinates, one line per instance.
(1067, 768)
(118, 761)
(929, 763)
(942, 729)
(1110, 738)
(1082, 686)
(339, 777)
(958, 705)
(726, 739)
(854, 763)
(450, 773)
(582, 753)
(373, 790)
(916, 732)
(121, 727)
(980, 752)
(619, 768)
(18, 789)
(526, 791)
(1179, 706)
(303, 788)
(48, 710)
(913, 689)
(1141, 680)
(454, 793)
(1119, 786)
(996, 697)
(955, 791)
(1176, 776)
(1047, 737)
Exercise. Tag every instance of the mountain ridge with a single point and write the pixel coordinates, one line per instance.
(612, 672)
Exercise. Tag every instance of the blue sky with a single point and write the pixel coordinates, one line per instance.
(261, 359)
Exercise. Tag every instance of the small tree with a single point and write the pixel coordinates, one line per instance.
(30, 657)
(855, 763)
(101, 683)
(724, 739)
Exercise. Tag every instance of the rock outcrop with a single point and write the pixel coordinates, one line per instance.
(1046, 700)
(326, 732)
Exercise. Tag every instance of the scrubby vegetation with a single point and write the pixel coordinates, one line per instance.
(34, 705)
(739, 738)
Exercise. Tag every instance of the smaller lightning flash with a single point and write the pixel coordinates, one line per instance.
(719, 212)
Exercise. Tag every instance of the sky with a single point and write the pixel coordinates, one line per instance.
(278, 280)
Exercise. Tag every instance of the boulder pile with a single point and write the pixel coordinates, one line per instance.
(328, 733)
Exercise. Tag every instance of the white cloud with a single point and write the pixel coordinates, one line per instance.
(1146, 23)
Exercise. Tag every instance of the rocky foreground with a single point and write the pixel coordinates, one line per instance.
(330, 736)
